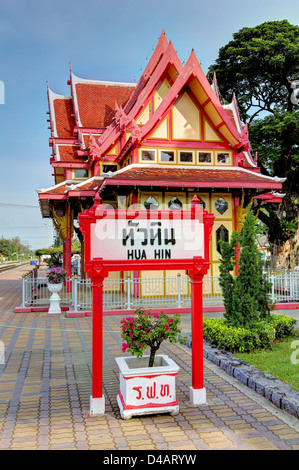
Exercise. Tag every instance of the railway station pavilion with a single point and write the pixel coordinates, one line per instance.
(152, 144)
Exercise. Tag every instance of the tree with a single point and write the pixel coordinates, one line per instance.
(251, 298)
(226, 268)
(54, 253)
(247, 298)
(261, 66)
(12, 248)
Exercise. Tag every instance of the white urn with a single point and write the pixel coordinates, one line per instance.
(55, 298)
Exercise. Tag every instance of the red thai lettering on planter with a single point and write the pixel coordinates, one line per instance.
(164, 390)
(138, 389)
(151, 391)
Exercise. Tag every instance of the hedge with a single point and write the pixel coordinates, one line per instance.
(239, 339)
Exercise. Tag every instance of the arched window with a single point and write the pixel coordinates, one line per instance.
(221, 234)
(221, 205)
(175, 204)
(151, 203)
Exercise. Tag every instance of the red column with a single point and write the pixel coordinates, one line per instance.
(97, 400)
(197, 332)
(68, 247)
(97, 338)
(64, 255)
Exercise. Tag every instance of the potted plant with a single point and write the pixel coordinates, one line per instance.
(147, 382)
(55, 278)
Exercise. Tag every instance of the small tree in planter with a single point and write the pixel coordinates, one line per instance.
(147, 384)
(148, 330)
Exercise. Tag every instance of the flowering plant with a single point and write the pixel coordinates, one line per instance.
(56, 275)
(147, 329)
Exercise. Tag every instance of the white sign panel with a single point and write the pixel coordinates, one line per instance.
(141, 239)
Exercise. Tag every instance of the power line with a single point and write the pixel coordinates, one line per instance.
(2, 204)
(28, 226)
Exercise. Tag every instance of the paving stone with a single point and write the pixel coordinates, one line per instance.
(46, 386)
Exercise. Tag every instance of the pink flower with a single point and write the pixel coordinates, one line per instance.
(156, 315)
(124, 347)
(166, 327)
(170, 320)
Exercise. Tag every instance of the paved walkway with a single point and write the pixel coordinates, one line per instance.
(45, 385)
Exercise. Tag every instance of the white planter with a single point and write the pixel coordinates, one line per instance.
(55, 299)
(147, 390)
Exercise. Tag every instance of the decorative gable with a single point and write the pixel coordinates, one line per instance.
(185, 119)
(160, 93)
(162, 131)
(144, 116)
(210, 135)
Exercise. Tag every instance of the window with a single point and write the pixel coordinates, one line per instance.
(221, 205)
(175, 204)
(221, 234)
(201, 202)
(148, 155)
(204, 157)
(107, 168)
(151, 203)
(80, 173)
(186, 157)
(167, 156)
(223, 158)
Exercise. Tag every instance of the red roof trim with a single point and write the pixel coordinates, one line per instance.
(149, 69)
(196, 184)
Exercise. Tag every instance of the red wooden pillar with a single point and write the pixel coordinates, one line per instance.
(83, 274)
(68, 247)
(63, 254)
(97, 400)
(197, 391)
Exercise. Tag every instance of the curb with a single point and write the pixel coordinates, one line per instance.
(276, 391)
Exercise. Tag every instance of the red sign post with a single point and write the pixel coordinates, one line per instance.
(143, 240)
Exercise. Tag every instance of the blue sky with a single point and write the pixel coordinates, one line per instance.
(103, 40)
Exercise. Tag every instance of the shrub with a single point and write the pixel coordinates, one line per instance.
(147, 329)
(56, 275)
(261, 334)
(283, 325)
(230, 338)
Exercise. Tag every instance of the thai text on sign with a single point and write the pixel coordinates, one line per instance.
(137, 239)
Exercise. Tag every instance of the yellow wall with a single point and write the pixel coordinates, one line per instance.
(224, 219)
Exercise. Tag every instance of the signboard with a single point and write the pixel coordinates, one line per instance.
(144, 239)
(136, 240)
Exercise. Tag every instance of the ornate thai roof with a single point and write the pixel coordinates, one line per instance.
(106, 120)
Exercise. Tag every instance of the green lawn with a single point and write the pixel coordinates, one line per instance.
(277, 361)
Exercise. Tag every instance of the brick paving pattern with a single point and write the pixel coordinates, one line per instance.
(45, 385)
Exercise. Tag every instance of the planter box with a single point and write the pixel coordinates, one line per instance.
(147, 390)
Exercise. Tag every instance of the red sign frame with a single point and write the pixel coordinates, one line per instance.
(99, 268)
